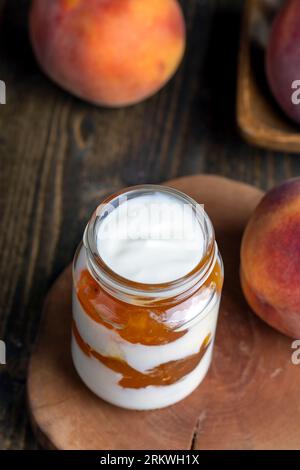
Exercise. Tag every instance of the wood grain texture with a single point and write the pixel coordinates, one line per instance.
(2, 4)
(59, 155)
(238, 406)
(260, 120)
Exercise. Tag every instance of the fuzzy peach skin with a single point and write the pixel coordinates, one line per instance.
(109, 52)
(270, 259)
(282, 57)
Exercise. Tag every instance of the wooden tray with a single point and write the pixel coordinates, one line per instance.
(249, 400)
(259, 118)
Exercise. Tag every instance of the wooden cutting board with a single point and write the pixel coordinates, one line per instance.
(249, 400)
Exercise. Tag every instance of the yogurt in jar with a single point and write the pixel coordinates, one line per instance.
(147, 287)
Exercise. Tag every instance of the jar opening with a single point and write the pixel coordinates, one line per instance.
(119, 285)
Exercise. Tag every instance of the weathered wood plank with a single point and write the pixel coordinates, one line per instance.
(58, 154)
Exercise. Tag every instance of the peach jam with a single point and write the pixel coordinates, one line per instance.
(147, 286)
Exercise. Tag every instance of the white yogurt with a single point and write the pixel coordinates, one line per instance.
(104, 383)
(151, 239)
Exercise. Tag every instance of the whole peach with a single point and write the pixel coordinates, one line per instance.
(283, 59)
(270, 258)
(109, 52)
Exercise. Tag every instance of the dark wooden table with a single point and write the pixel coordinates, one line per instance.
(60, 156)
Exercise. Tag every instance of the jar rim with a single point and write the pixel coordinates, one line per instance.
(118, 284)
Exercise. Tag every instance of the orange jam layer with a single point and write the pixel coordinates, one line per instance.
(136, 324)
(165, 374)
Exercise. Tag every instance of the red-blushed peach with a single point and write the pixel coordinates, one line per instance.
(282, 59)
(109, 52)
(270, 258)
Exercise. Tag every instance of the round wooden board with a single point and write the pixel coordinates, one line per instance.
(249, 400)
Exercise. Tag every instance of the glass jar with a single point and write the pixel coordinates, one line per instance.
(144, 346)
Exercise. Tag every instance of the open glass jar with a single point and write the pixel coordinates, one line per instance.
(137, 343)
